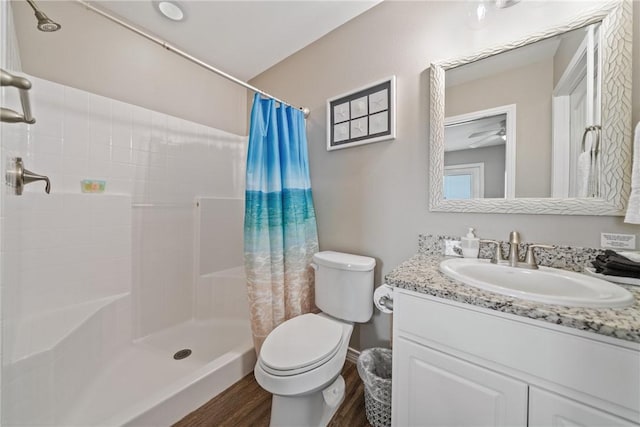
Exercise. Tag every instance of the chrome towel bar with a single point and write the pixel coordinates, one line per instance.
(23, 85)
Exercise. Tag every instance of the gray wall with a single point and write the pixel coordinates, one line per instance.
(98, 56)
(494, 164)
(372, 199)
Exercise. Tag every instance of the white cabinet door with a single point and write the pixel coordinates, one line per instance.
(547, 409)
(431, 388)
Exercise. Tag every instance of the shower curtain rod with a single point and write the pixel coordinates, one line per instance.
(185, 55)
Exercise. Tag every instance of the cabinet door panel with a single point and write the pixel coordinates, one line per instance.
(548, 409)
(435, 389)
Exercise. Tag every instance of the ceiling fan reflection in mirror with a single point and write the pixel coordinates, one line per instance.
(495, 136)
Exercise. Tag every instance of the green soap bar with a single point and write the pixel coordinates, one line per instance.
(92, 186)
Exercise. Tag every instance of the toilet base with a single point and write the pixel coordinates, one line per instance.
(310, 410)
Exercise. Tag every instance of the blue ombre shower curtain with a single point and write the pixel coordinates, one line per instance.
(280, 232)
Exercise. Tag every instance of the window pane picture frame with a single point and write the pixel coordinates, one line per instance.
(362, 116)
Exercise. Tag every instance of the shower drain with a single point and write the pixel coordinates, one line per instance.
(181, 354)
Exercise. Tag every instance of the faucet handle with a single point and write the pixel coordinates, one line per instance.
(28, 177)
(17, 176)
(497, 254)
(530, 258)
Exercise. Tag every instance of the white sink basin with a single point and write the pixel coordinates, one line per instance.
(546, 285)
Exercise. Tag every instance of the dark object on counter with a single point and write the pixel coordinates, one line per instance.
(613, 264)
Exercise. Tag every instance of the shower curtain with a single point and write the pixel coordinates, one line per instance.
(280, 233)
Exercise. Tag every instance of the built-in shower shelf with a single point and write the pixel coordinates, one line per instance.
(44, 332)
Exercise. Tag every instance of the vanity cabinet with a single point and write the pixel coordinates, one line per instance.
(460, 365)
(432, 380)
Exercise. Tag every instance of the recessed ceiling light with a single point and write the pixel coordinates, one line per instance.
(171, 10)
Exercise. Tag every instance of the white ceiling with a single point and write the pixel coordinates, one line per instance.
(242, 38)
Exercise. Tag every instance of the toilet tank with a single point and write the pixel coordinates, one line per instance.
(344, 285)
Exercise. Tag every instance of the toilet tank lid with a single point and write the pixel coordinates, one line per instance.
(344, 261)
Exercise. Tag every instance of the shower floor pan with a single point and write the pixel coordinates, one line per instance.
(144, 385)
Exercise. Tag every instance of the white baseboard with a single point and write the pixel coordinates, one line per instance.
(352, 355)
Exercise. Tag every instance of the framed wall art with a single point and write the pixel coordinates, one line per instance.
(362, 116)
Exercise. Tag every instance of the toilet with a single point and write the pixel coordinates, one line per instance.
(300, 361)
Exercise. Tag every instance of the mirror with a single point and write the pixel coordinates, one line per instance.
(538, 125)
(551, 80)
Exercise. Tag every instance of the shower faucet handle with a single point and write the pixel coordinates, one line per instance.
(8, 79)
(17, 176)
(29, 177)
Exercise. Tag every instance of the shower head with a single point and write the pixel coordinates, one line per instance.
(44, 23)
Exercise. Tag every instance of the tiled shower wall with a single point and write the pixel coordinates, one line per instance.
(161, 163)
(9, 59)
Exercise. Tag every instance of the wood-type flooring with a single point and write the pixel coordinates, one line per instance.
(246, 404)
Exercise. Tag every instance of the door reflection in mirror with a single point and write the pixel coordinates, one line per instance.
(576, 107)
(484, 137)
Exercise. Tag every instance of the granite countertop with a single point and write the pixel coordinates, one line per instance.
(421, 274)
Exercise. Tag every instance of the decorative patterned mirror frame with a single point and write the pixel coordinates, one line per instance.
(616, 30)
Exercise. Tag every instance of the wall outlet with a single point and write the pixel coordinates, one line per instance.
(617, 241)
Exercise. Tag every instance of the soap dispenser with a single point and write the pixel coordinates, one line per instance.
(470, 245)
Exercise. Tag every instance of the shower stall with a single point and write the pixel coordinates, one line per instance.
(123, 299)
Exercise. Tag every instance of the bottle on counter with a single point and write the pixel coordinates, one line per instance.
(470, 245)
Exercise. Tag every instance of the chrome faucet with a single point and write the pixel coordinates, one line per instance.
(514, 255)
(530, 258)
(514, 252)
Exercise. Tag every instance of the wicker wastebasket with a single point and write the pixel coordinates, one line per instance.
(374, 367)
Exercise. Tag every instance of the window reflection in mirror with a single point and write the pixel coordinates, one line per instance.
(463, 180)
(543, 95)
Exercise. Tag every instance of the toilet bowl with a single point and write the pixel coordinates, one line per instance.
(304, 377)
(300, 361)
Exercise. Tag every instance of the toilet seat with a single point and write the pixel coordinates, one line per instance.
(300, 345)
